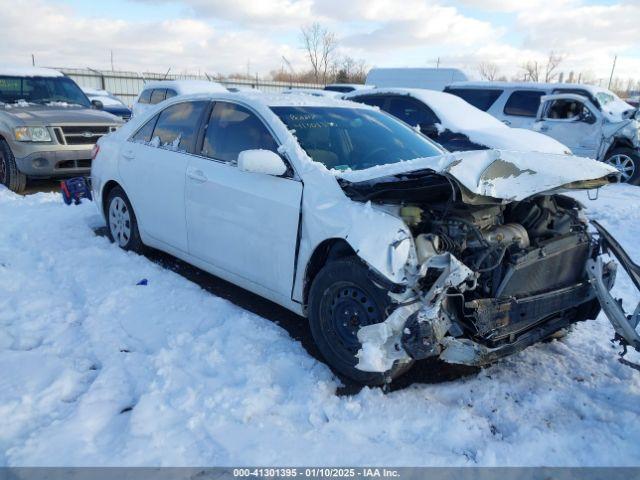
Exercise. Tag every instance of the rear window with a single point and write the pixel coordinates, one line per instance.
(523, 103)
(158, 95)
(145, 97)
(481, 98)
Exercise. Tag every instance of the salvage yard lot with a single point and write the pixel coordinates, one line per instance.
(97, 370)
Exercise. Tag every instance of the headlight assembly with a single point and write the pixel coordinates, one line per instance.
(32, 134)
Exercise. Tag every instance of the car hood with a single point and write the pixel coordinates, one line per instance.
(53, 115)
(498, 174)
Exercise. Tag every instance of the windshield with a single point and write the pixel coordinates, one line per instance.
(605, 98)
(354, 138)
(42, 90)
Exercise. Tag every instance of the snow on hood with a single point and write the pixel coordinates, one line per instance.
(458, 116)
(500, 174)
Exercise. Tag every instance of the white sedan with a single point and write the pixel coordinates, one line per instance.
(394, 249)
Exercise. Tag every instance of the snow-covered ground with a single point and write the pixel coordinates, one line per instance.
(96, 370)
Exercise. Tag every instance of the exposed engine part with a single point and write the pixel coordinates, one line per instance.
(411, 214)
(427, 245)
(508, 234)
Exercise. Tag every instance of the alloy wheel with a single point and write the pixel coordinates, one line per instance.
(120, 221)
(624, 164)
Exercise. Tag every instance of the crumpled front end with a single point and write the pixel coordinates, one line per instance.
(490, 280)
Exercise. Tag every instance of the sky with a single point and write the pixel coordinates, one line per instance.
(240, 36)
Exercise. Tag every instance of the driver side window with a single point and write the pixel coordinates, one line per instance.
(233, 129)
(570, 110)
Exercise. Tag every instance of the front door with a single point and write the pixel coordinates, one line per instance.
(572, 120)
(242, 222)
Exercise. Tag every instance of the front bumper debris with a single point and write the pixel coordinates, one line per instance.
(624, 324)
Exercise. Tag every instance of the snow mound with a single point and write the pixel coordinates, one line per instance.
(97, 370)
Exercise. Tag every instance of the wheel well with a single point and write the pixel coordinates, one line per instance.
(619, 143)
(328, 250)
(110, 185)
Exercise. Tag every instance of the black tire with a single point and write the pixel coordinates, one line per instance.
(615, 156)
(341, 300)
(122, 219)
(10, 176)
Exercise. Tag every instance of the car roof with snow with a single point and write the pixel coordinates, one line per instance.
(456, 115)
(29, 72)
(593, 89)
(185, 87)
(293, 99)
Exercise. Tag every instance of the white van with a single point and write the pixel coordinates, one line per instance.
(429, 78)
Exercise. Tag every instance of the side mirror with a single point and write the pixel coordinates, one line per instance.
(429, 129)
(97, 104)
(261, 161)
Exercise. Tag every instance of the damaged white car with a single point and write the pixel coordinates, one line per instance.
(394, 249)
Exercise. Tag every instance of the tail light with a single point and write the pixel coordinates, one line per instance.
(94, 151)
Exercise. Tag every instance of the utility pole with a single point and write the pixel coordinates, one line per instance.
(33, 60)
(612, 69)
(112, 61)
(438, 63)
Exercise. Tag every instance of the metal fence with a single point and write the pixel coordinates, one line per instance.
(127, 85)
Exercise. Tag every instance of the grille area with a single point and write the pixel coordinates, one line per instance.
(81, 134)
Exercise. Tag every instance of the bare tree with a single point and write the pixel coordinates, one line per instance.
(320, 45)
(531, 71)
(553, 61)
(488, 71)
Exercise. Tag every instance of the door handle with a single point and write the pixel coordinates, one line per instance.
(197, 175)
(506, 122)
(129, 154)
(544, 128)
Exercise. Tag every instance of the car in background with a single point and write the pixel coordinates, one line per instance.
(516, 103)
(315, 92)
(394, 249)
(453, 123)
(110, 103)
(344, 87)
(48, 126)
(431, 78)
(153, 93)
(605, 132)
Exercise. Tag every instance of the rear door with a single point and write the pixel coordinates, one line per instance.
(521, 107)
(242, 223)
(573, 120)
(153, 164)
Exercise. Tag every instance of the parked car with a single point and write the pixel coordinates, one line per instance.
(431, 78)
(608, 134)
(316, 92)
(48, 126)
(110, 103)
(344, 87)
(155, 92)
(452, 122)
(395, 250)
(516, 103)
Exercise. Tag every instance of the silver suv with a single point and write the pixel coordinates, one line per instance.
(48, 126)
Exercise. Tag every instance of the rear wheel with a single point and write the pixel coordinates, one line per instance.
(341, 300)
(627, 162)
(122, 225)
(10, 176)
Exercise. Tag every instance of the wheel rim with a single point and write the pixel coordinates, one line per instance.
(624, 164)
(346, 308)
(119, 221)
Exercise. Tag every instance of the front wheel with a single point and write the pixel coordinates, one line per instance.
(121, 221)
(10, 176)
(341, 300)
(627, 162)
